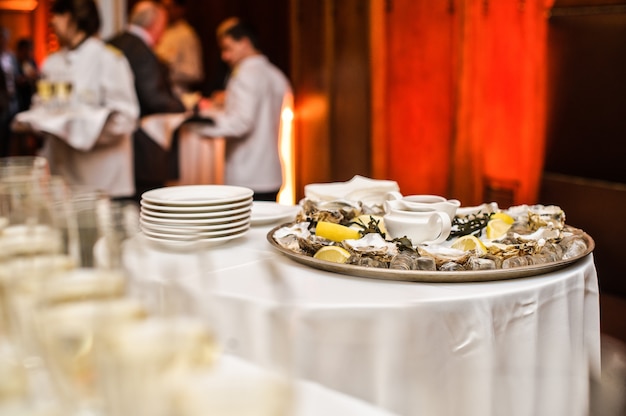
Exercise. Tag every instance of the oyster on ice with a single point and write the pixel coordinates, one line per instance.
(546, 216)
(372, 245)
(288, 236)
(332, 211)
(443, 254)
(313, 243)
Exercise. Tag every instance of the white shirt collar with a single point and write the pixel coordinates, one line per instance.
(142, 33)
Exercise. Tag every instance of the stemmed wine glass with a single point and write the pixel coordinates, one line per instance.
(34, 242)
(78, 306)
(35, 167)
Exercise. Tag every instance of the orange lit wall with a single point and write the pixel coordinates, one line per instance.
(27, 19)
(464, 94)
(419, 94)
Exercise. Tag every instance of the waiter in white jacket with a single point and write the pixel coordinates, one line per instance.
(95, 149)
(250, 116)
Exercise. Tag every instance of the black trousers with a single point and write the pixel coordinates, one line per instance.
(265, 196)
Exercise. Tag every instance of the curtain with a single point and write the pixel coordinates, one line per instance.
(419, 94)
(113, 16)
(465, 94)
(501, 112)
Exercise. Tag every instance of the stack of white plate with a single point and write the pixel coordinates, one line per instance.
(206, 213)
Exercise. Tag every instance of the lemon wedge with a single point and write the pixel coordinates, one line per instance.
(334, 254)
(336, 232)
(502, 216)
(497, 228)
(468, 243)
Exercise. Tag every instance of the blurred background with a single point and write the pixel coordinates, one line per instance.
(513, 101)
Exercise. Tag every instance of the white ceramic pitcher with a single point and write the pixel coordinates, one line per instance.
(417, 202)
(422, 225)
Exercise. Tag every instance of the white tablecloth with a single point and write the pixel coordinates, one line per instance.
(231, 378)
(201, 159)
(522, 347)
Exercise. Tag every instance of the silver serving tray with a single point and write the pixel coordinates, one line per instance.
(428, 276)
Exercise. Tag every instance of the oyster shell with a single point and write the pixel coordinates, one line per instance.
(339, 211)
(542, 233)
(443, 254)
(299, 229)
(546, 216)
(288, 236)
(486, 208)
(372, 245)
(313, 243)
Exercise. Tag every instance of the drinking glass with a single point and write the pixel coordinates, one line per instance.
(78, 305)
(69, 333)
(35, 242)
(15, 168)
(141, 363)
(61, 88)
(44, 94)
(35, 167)
(33, 248)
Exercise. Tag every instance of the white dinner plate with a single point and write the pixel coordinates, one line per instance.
(197, 209)
(188, 216)
(187, 245)
(196, 235)
(225, 219)
(197, 195)
(187, 229)
(270, 212)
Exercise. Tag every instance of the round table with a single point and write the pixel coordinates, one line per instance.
(521, 347)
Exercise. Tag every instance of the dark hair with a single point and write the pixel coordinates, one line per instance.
(241, 30)
(83, 12)
(24, 43)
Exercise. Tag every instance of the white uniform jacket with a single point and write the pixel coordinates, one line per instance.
(250, 122)
(98, 150)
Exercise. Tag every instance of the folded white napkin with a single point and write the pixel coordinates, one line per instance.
(160, 127)
(79, 127)
(359, 188)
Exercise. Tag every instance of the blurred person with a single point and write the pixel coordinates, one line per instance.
(27, 75)
(25, 87)
(250, 116)
(8, 94)
(146, 25)
(101, 79)
(180, 48)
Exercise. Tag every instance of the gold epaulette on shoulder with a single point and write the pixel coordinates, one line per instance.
(115, 50)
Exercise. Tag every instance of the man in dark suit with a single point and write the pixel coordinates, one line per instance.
(148, 20)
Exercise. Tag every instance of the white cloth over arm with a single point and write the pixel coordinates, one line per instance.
(250, 122)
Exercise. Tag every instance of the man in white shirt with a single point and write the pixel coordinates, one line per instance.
(181, 49)
(250, 116)
(98, 152)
